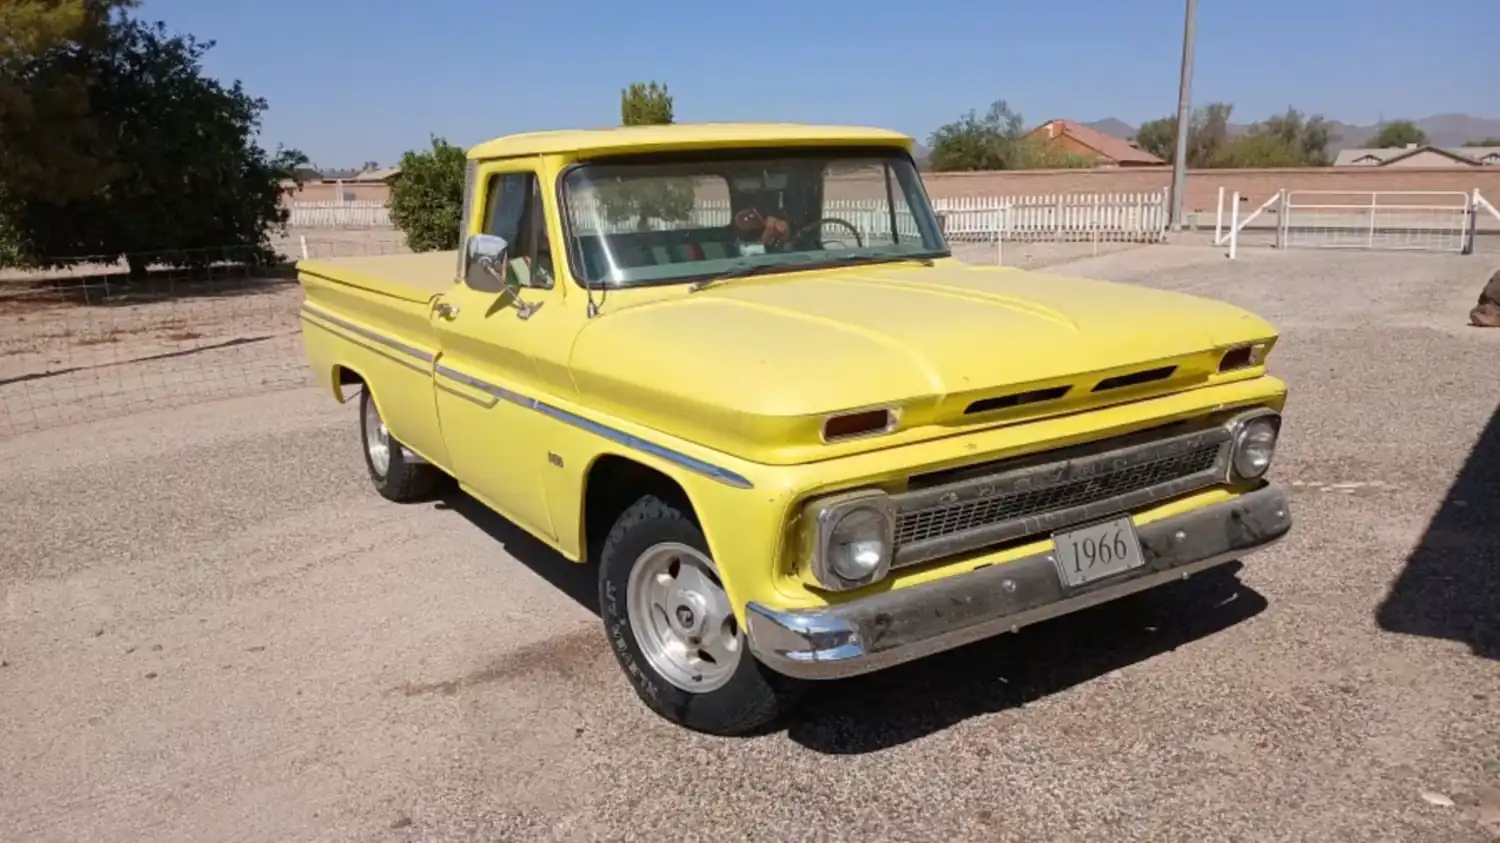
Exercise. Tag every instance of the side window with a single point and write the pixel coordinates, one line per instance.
(514, 210)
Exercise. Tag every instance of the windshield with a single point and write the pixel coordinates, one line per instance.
(689, 216)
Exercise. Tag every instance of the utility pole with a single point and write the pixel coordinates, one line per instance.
(1184, 117)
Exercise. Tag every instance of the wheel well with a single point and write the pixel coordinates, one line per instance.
(612, 485)
(342, 377)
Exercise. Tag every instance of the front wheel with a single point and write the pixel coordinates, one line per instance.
(672, 629)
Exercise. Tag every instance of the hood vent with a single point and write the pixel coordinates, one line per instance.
(1135, 378)
(1001, 402)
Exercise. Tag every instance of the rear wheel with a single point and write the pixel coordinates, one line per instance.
(396, 475)
(673, 630)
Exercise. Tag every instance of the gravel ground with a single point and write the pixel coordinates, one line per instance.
(213, 629)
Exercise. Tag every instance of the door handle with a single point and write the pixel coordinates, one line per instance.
(445, 309)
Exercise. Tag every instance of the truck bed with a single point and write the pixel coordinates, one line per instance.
(416, 277)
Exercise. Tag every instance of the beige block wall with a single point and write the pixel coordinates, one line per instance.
(1255, 186)
(1203, 185)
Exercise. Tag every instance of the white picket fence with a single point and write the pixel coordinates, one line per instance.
(1105, 217)
(339, 215)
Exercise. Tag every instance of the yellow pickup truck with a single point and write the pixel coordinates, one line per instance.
(737, 368)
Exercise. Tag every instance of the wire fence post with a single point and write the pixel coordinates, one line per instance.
(1234, 225)
(1219, 219)
(1283, 216)
(1471, 224)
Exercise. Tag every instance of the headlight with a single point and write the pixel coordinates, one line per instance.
(1254, 443)
(849, 538)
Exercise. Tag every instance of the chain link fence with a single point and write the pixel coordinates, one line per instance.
(91, 342)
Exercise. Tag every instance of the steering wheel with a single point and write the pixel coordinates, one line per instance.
(824, 243)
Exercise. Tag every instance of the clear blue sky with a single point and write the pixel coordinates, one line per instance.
(353, 81)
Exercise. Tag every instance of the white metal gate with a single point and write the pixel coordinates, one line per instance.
(1484, 232)
(1431, 221)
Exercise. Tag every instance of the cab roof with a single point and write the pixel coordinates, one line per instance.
(627, 139)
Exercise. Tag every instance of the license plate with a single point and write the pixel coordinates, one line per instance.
(1096, 551)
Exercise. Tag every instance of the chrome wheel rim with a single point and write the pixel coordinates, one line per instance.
(680, 617)
(377, 439)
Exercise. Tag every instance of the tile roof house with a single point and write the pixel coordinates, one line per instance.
(382, 174)
(364, 186)
(1418, 155)
(1107, 150)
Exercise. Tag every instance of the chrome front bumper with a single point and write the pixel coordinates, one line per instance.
(886, 629)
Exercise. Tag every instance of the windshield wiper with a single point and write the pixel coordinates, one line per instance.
(744, 270)
(806, 262)
(923, 259)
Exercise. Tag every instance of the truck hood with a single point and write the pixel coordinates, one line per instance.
(754, 366)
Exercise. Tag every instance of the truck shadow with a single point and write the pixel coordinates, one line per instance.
(579, 582)
(899, 705)
(893, 707)
(1450, 587)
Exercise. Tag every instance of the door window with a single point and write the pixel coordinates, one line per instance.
(514, 210)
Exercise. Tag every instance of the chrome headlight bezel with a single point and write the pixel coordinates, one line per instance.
(1240, 428)
(820, 520)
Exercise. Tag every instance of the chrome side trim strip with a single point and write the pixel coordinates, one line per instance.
(485, 403)
(723, 475)
(399, 359)
(499, 393)
(370, 335)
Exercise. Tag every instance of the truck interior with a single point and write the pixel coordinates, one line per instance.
(623, 218)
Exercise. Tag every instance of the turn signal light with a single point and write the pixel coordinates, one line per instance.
(1242, 357)
(858, 423)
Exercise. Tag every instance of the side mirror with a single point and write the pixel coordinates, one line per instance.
(486, 257)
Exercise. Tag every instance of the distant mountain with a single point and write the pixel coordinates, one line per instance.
(1441, 129)
(1114, 128)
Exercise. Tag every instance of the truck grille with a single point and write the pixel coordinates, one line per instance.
(1005, 505)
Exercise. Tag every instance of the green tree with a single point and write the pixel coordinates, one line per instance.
(427, 201)
(1398, 133)
(1208, 132)
(1158, 137)
(657, 198)
(187, 185)
(1289, 139)
(1490, 141)
(645, 104)
(996, 141)
(1284, 140)
(1306, 137)
(1257, 149)
(29, 28)
(973, 143)
(49, 144)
